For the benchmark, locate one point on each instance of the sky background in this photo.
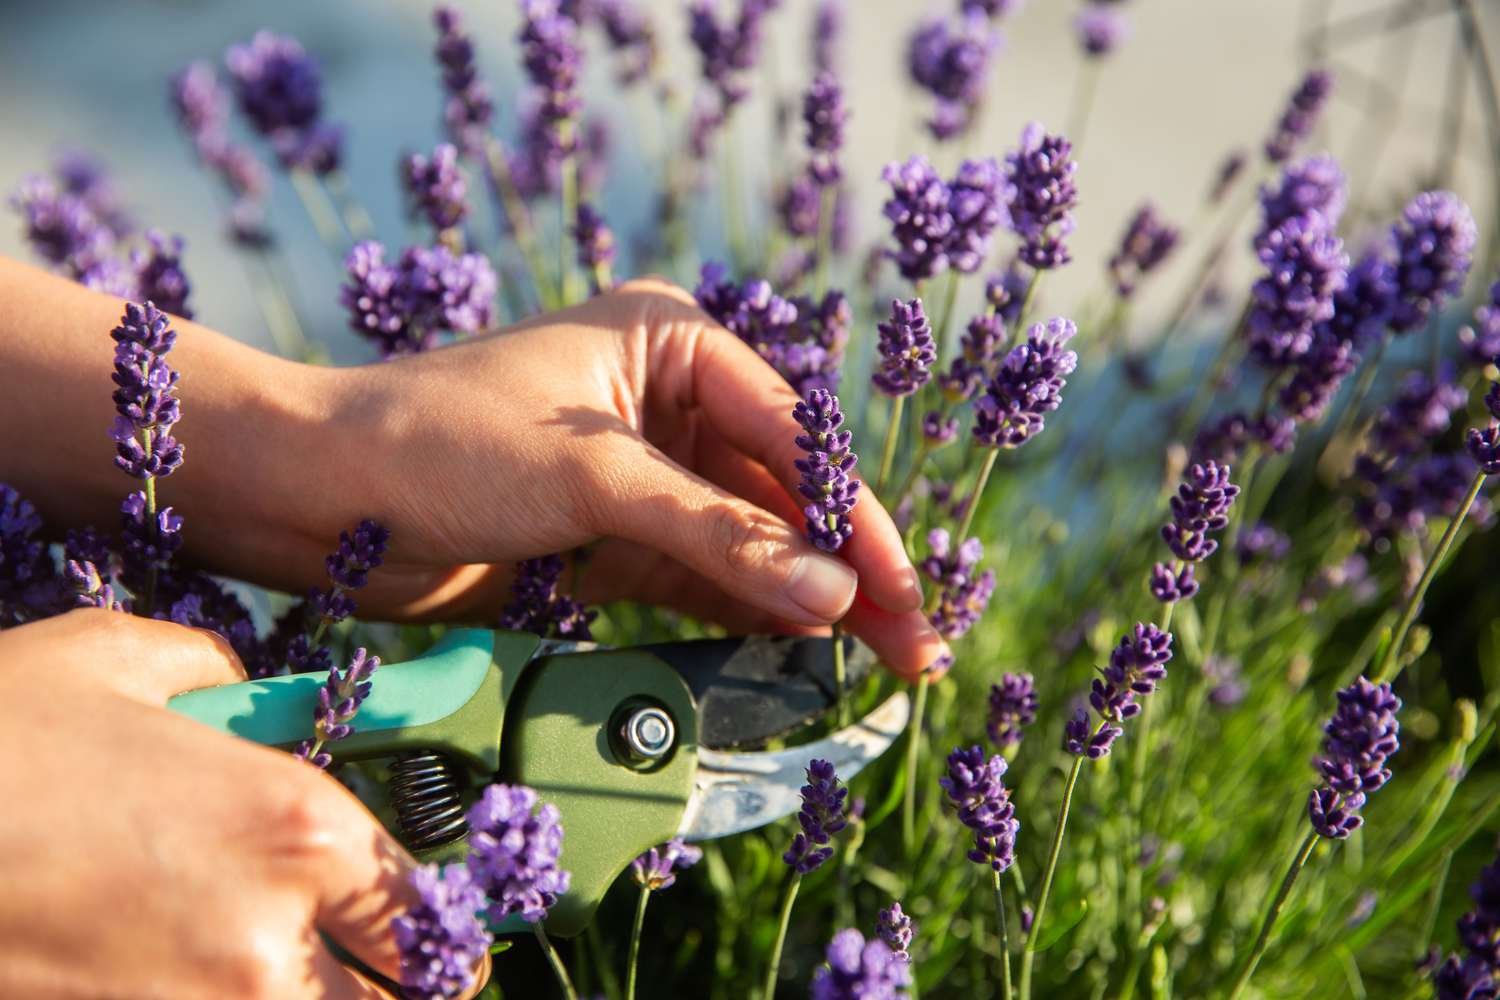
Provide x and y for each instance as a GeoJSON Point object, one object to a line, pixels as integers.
{"type": "Point", "coordinates": [1196, 78]}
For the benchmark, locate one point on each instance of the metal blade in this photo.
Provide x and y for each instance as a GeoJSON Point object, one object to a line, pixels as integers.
{"type": "Point", "coordinates": [753, 689]}
{"type": "Point", "coordinates": [735, 792]}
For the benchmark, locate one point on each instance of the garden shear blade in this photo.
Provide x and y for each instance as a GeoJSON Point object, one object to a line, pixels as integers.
{"type": "Point", "coordinates": [633, 746]}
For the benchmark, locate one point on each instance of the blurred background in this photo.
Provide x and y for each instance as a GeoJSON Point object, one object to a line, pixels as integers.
{"type": "Point", "coordinates": [1194, 80]}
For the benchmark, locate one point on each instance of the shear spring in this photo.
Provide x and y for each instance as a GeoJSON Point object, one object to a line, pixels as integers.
{"type": "Point", "coordinates": [425, 794]}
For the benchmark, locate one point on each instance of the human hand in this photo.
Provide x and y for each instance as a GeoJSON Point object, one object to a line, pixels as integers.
{"type": "Point", "coordinates": [146, 855]}
{"type": "Point", "coordinates": [632, 418]}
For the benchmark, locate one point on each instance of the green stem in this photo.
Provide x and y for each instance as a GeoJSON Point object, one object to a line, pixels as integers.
{"type": "Point", "coordinates": [355, 217]}
{"type": "Point", "coordinates": [888, 453]}
{"type": "Point", "coordinates": [519, 220]}
{"type": "Point", "coordinates": [950, 296]}
{"type": "Point", "coordinates": [1005, 990]}
{"type": "Point", "coordinates": [1028, 956]}
{"type": "Point", "coordinates": [840, 681]}
{"type": "Point", "coordinates": [555, 960]}
{"type": "Point", "coordinates": [913, 745]}
{"type": "Point", "coordinates": [1264, 938]}
{"type": "Point", "coordinates": [1137, 792]}
{"type": "Point", "coordinates": [635, 942]}
{"type": "Point", "coordinates": [974, 498]}
{"type": "Point", "coordinates": [773, 971]}
{"type": "Point", "coordinates": [1083, 101]}
{"type": "Point", "coordinates": [1390, 662]}
{"type": "Point", "coordinates": [823, 248]}
{"type": "Point", "coordinates": [316, 203]}
{"type": "Point", "coordinates": [567, 280]}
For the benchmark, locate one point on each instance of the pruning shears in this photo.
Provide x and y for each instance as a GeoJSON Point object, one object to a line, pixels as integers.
{"type": "Point", "coordinates": [634, 746]}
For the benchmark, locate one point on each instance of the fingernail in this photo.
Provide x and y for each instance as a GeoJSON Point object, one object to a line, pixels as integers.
{"type": "Point", "coordinates": [822, 586]}
{"type": "Point", "coordinates": [911, 592]}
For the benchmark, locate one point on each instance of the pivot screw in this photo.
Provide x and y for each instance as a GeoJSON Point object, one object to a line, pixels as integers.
{"type": "Point", "coordinates": [648, 734]}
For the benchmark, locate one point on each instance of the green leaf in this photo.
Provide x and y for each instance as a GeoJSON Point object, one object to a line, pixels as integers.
{"type": "Point", "coordinates": [1063, 923]}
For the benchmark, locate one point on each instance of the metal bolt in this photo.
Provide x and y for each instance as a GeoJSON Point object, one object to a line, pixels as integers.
{"type": "Point", "coordinates": [649, 734]}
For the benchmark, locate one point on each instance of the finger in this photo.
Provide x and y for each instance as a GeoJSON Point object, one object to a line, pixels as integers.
{"type": "Point", "coordinates": [143, 659]}
{"type": "Point", "coordinates": [751, 553]}
{"type": "Point", "coordinates": [357, 875]}
{"type": "Point", "coordinates": [906, 643]}
{"type": "Point", "coordinates": [333, 980]}
{"type": "Point", "coordinates": [751, 406]}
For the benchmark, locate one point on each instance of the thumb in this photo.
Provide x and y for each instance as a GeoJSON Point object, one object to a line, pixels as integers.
{"type": "Point", "coordinates": [751, 553]}
{"type": "Point", "coordinates": [143, 659]}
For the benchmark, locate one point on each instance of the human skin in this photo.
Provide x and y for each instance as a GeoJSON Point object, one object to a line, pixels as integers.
{"type": "Point", "coordinates": [146, 855]}
{"type": "Point", "coordinates": [631, 424]}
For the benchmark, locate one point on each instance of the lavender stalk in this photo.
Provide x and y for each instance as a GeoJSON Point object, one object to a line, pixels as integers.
{"type": "Point", "coordinates": [823, 814]}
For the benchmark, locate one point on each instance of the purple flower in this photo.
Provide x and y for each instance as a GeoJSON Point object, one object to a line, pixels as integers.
{"type": "Point", "coordinates": [1357, 741]}
{"type": "Point", "coordinates": [145, 394]}
{"type": "Point", "coordinates": [159, 277]}
{"type": "Point", "coordinates": [631, 35]}
{"type": "Point", "coordinates": [1305, 267]}
{"type": "Point", "coordinates": [920, 217]}
{"type": "Point", "coordinates": [90, 585]}
{"type": "Point", "coordinates": [595, 241]}
{"type": "Point", "coordinates": [147, 542]}
{"type": "Point", "coordinates": [907, 350]}
{"type": "Point", "coordinates": [1434, 242]}
{"type": "Point", "coordinates": [976, 199]}
{"type": "Point", "coordinates": [278, 85]}
{"type": "Point", "coordinates": [338, 702]}
{"type": "Point", "coordinates": [968, 372]}
{"type": "Point", "coordinates": [1147, 242]}
{"type": "Point", "coordinates": [319, 148]}
{"type": "Point", "coordinates": [441, 939]}
{"type": "Point", "coordinates": [1084, 740]}
{"type": "Point", "coordinates": [359, 552]}
{"type": "Point", "coordinates": [799, 206]}
{"type": "Point", "coordinates": [897, 929]}
{"type": "Point", "coordinates": [1229, 172]}
{"type": "Point", "coordinates": [1300, 116]}
{"type": "Point", "coordinates": [1227, 686]}
{"type": "Point", "coordinates": [1169, 584]}
{"type": "Point", "coordinates": [821, 816]}
{"type": "Point", "coordinates": [551, 55]}
{"type": "Point", "coordinates": [1043, 196]}
{"type": "Point", "coordinates": [1472, 976]}
{"type": "Point", "coordinates": [1259, 542]}
{"type": "Point", "coordinates": [26, 568]}
{"type": "Point", "coordinates": [1481, 339]}
{"type": "Point", "coordinates": [1006, 291]}
{"type": "Point", "coordinates": [61, 227]}
{"type": "Point", "coordinates": [202, 108]}
{"type": "Point", "coordinates": [975, 789]}
{"type": "Point", "coordinates": [435, 187]}
{"type": "Point", "coordinates": [200, 103]}
{"type": "Point", "coordinates": [860, 970]}
{"type": "Point", "coordinates": [1013, 705]}
{"type": "Point", "coordinates": [1312, 187]}
{"type": "Point", "coordinates": [1483, 445]}
{"type": "Point", "coordinates": [468, 107]}
{"type": "Point", "coordinates": [513, 852]}
{"type": "Point", "coordinates": [1026, 385]}
{"type": "Point", "coordinates": [801, 339]}
{"type": "Point", "coordinates": [1199, 508]}
{"type": "Point", "coordinates": [825, 484]}
{"type": "Point", "coordinates": [1422, 409]}
{"type": "Point", "coordinates": [657, 869]}
{"type": "Point", "coordinates": [1317, 375]}
{"type": "Point", "coordinates": [1136, 665]}
{"type": "Point", "coordinates": [825, 114]}
{"type": "Point", "coordinates": [828, 29]}
{"type": "Point", "coordinates": [950, 59]}
{"type": "Point", "coordinates": [938, 430]}
{"type": "Point", "coordinates": [405, 306]}
{"type": "Point", "coordinates": [1100, 29]}
{"type": "Point", "coordinates": [539, 606]}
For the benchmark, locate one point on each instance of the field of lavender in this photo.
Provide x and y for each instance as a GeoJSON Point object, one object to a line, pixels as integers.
{"type": "Point", "coordinates": [1218, 578]}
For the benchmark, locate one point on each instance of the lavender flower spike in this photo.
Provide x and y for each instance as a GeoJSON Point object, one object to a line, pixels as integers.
{"type": "Point", "coordinates": [338, 702]}
{"type": "Point", "coordinates": [825, 114]}
{"type": "Point", "coordinates": [538, 604]}
{"type": "Point", "coordinates": [860, 970]}
{"type": "Point", "coordinates": [596, 245]}
{"type": "Point", "coordinates": [1137, 664]}
{"type": "Point", "coordinates": [1475, 975]}
{"type": "Point", "coordinates": [907, 350]}
{"type": "Point", "coordinates": [469, 106]}
{"type": "Point", "coordinates": [278, 85]}
{"type": "Point", "coordinates": [822, 815]}
{"type": "Point", "coordinates": [1300, 116]}
{"type": "Point", "coordinates": [657, 869]}
{"type": "Point", "coordinates": [974, 788]}
{"type": "Point", "coordinates": [144, 394]}
{"type": "Point", "coordinates": [1026, 386]}
{"type": "Point", "coordinates": [436, 187]}
{"type": "Point", "coordinates": [826, 485]}
{"type": "Point", "coordinates": [551, 55]}
{"type": "Point", "coordinates": [441, 940]}
{"type": "Point", "coordinates": [1305, 268]}
{"type": "Point", "coordinates": [920, 217]}
{"type": "Point", "coordinates": [1100, 29]}
{"type": "Point", "coordinates": [1358, 739]}
{"type": "Point", "coordinates": [513, 852]}
{"type": "Point", "coordinates": [1435, 241]}
{"type": "Point", "coordinates": [1199, 508]}
{"type": "Point", "coordinates": [1043, 196]}
{"type": "Point", "coordinates": [1147, 242]}
{"type": "Point", "coordinates": [897, 929]}
{"type": "Point", "coordinates": [1013, 705]}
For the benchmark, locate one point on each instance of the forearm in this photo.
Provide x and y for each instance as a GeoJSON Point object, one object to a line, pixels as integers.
{"type": "Point", "coordinates": [259, 484]}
